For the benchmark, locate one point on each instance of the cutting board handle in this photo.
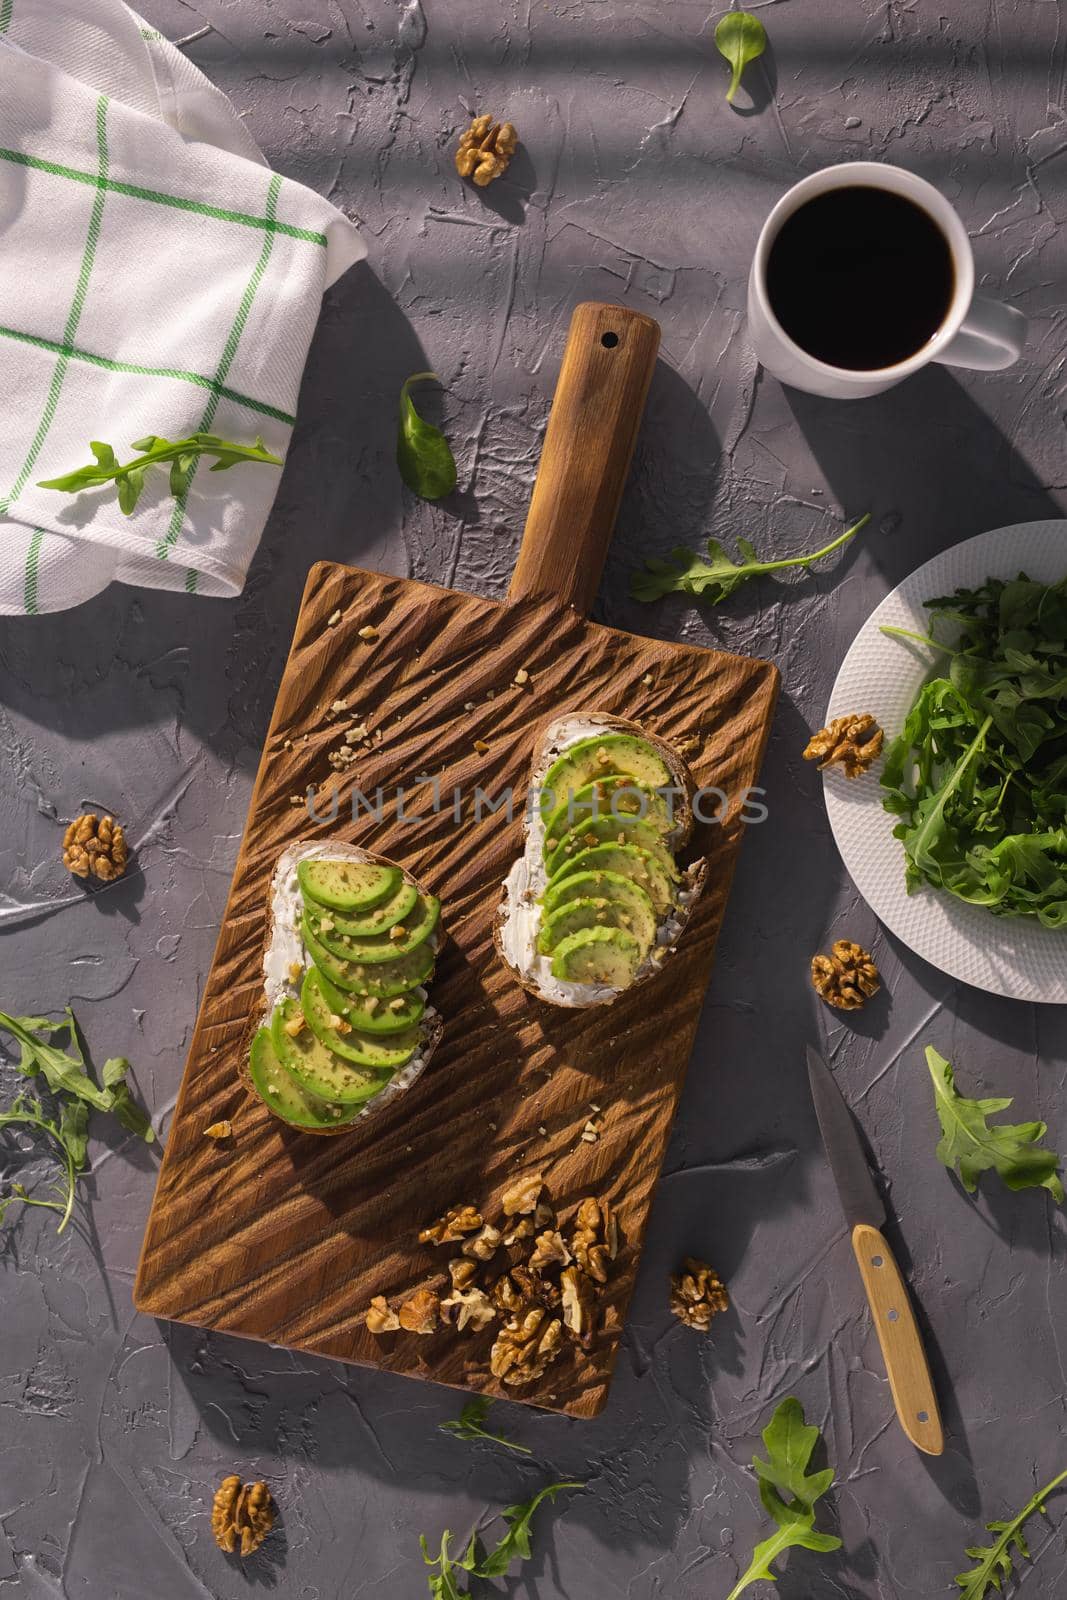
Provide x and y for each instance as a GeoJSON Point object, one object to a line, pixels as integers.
{"type": "Point", "coordinates": [600, 396]}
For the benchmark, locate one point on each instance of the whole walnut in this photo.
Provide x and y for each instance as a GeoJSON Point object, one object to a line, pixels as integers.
{"type": "Point", "coordinates": [242, 1515]}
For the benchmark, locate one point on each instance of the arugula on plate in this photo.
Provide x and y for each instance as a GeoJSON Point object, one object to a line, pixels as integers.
{"type": "Point", "coordinates": [973, 1145]}
{"type": "Point", "coordinates": [789, 1493]}
{"type": "Point", "coordinates": [182, 454]}
{"type": "Point", "coordinates": [423, 454]}
{"type": "Point", "coordinates": [444, 1579]}
{"type": "Point", "coordinates": [685, 572]}
{"type": "Point", "coordinates": [978, 774]}
{"type": "Point", "coordinates": [741, 38]}
{"type": "Point", "coordinates": [75, 1093]}
{"type": "Point", "coordinates": [469, 1425]}
{"type": "Point", "coordinates": [995, 1562]}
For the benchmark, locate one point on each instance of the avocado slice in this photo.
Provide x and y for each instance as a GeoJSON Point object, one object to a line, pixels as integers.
{"type": "Point", "coordinates": [606, 886]}
{"type": "Point", "coordinates": [377, 947]}
{"type": "Point", "coordinates": [316, 1068]}
{"type": "Point", "coordinates": [613, 796]}
{"type": "Point", "coordinates": [611, 830]}
{"type": "Point", "coordinates": [383, 979]}
{"type": "Point", "coordinates": [597, 955]}
{"type": "Point", "coordinates": [631, 862]}
{"type": "Point", "coordinates": [595, 911]}
{"type": "Point", "coordinates": [601, 756]}
{"type": "Point", "coordinates": [366, 1013]}
{"type": "Point", "coordinates": [347, 885]}
{"type": "Point", "coordinates": [380, 1051]}
{"type": "Point", "coordinates": [283, 1095]}
{"type": "Point", "coordinates": [361, 924]}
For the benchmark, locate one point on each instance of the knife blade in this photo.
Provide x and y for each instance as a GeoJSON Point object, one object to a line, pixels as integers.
{"type": "Point", "coordinates": [887, 1295]}
{"type": "Point", "coordinates": [860, 1200]}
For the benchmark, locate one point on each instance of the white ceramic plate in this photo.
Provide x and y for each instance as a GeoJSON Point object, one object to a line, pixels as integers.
{"type": "Point", "coordinates": [1012, 956]}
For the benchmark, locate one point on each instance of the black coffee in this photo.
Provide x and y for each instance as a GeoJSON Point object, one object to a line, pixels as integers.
{"type": "Point", "coordinates": [860, 278]}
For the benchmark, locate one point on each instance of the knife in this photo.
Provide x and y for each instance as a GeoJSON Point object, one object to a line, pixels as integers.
{"type": "Point", "coordinates": [894, 1320]}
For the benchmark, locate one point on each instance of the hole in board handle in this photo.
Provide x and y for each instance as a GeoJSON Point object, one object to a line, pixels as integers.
{"type": "Point", "coordinates": [609, 340]}
{"type": "Point", "coordinates": [923, 1416]}
{"type": "Point", "coordinates": [892, 1315]}
{"type": "Point", "coordinates": [876, 1261]}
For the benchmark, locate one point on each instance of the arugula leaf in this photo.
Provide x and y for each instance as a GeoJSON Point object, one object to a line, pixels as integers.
{"type": "Point", "coordinates": [69, 1134]}
{"type": "Point", "coordinates": [740, 37]}
{"type": "Point", "coordinates": [469, 1425]}
{"type": "Point", "coordinates": [423, 454]}
{"type": "Point", "coordinates": [978, 773]}
{"type": "Point", "coordinates": [971, 1143]}
{"type": "Point", "coordinates": [995, 1561]}
{"type": "Point", "coordinates": [184, 454]}
{"type": "Point", "coordinates": [75, 1092]}
{"type": "Point", "coordinates": [790, 1446]}
{"type": "Point", "coordinates": [685, 572]}
{"type": "Point", "coordinates": [443, 1584]}
{"type": "Point", "coordinates": [515, 1545]}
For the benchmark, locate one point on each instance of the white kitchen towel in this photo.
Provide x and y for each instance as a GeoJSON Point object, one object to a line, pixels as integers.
{"type": "Point", "coordinates": [155, 278]}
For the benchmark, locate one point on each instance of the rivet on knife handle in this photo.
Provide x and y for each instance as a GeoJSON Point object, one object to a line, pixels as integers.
{"type": "Point", "coordinates": [899, 1337]}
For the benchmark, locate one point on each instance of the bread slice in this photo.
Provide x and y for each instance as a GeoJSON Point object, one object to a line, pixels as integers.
{"type": "Point", "coordinates": [518, 918]}
{"type": "Point", "coordinates": [284, 950]}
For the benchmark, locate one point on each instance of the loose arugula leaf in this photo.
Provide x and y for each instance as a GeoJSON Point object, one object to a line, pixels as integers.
{"type": "Point", "coordinates": [685, 572]}
{"type": "Point", "coordinates": [469, 1425]}
{"type": "Point", "coordinates": [969, 1142]}
{"type": "Point", "coordinates": [995, 1561]}
{"type": "Point", "coordinates": [741, 38]}
{"type": "Point", "coordinates": [790, 1446]}
{"type": "Point", "coordinates": [515, 1545]}
{"type": "Point", "coordinates": [443, 1583]}
{"type": "Point", "coordinates": [69, 1135]}
{"type": "Point", "coordinates": [184, 454]}
{"type": "Point", "coordinates": [423, 455]}
{"type": "Point", "coordinates": [67, 1077]}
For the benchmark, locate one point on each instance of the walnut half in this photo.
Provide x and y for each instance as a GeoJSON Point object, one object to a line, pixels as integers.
{"type": "Point", "coordinates": [697, 1293]}
{"type": "Point", "coordinates": [485, 150]}
{"type": "Point", "coordinates": [95, 845]}
{"type": "Point", "coordinates": [852, 743]}
{"type": "Point", "coordinates": [847, 977]}
{"type": "Point", "coordinates": [526, 1346]}
{"type": "Point", "coordinates": [242, 1515]}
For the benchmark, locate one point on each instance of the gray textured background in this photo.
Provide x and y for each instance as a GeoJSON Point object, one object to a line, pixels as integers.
{"type": "Point", "coordinates": [636, 182]}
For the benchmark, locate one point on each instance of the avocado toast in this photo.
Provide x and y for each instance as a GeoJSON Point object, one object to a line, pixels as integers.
{"type": "Point", "coordinates": [346, 1024]}
{"type": "Point", "coordinates": [598, 900]}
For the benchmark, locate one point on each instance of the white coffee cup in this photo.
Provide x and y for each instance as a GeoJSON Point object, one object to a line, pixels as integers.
{"type": "Point", "coordinates": [976, 332]}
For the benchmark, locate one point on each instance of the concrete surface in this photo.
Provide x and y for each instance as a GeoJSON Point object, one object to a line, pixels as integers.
{"type": "Point", "coordinates": [635, 182]}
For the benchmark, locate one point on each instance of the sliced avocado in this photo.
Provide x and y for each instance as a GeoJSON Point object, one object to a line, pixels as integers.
{"type": "Point", "coordinates": [614, 796]}
{"type": "Point", "coordinates": [597, 955]}
{"type": "Point", "coordinates": [315, 1067]}
{"type": "Point", "coordinates": [611, 830]}
{"type": "Point", "coordinates": [283, 1095]}
{"type": "Point", "coordinates": [347, 885]}
{"type": "Point", "coordinates": [602, 885]}
{"type": "Point", "coordinates": [601, 756]}
{"type": "Point", "coordinates": [367, 1013]}
{"type": "Point", "coordinates": [383, 979]}
{"type": "Point", "coordinates": [361, 924]}
{"type": "Point", "coordinates": [598, 911]}
{"type": "Point", "coordinates": [377, 947]}
{"type": "Point", "coordinates": [629, 860]}
{"type": "Point", "coordinates": [381, 1051]}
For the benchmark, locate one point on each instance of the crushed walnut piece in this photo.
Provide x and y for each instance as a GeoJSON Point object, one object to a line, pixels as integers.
{"type": "Point", "coordinates": [482, 1247]}
{"type": "Point", "coordinates": [219, 1130]}
{"type": "Point", "coordinates": [473, 1308]}
{"type": "Point", "coordinates": [485, 150]}
{"type": "Point", "coordinates": [697, 1293]}
{"type": "Point", "coordinates": [368, 634]}
{"type": "Point", "coordinates": [457, 1222]}
{"type": "Point", "coordinates": [421, 1313]}
{"type": "Point", "coordinates": [549, 1250]}
{"type": "Point", "coordinates": [522, 1197]}
{"type": "Point", "coordinates": [95, 846]}
{"type": "Point", "coordinates": [242, 1515]}
{"type": "Point", "coordinates": [526, 1346]}
{"type": "Point", "coordinates": [579, 1303]}
{"type": "Point", "coordinates": [847, 977]}
{"type": "Point", "coordinates": [852, 743]}
{"type": "Point", "coordinates": [380, 1317]}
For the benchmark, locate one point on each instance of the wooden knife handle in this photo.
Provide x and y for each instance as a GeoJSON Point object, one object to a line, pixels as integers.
{"type": "Point", "coordinates": [592, 428]}
{"type": "Point", "coordinates": [901, 1342]}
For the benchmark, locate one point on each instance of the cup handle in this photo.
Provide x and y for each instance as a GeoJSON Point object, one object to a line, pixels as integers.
{"type": "Point", "coordinates": [992, 337]}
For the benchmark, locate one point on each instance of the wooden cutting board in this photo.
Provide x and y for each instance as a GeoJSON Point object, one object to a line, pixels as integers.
{"type": "Point", "coordinates": [285, 1237]}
